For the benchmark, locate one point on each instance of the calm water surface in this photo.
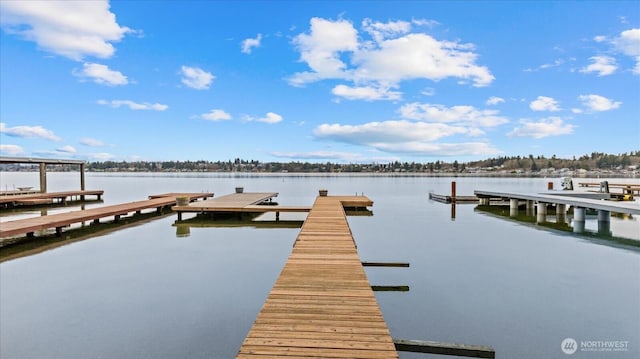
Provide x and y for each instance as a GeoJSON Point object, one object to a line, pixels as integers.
{"type": "Point", "coordinates": [144, 292]}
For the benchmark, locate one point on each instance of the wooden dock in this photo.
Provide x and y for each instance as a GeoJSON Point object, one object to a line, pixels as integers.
{"type": "Point", "coordinates": [254, 202]}
{"type": "Point", "coordinates": [443, 198]}
{"type": "Point", "coordinates": [47, 198]}
{"type": "Point", "coordinates": [322, 305]}
{"type": "Point", "coordinates": [58, 221]}
{"type": "Point", "coordinates": [627, 191]}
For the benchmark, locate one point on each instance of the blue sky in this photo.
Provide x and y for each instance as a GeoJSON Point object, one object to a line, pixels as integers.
{"type": "Point", "coordinates": [318, 81]}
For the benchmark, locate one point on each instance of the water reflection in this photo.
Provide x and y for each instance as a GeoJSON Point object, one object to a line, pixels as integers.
{"type": "Point", "coordinates": [574, 221]}
{"type": "Point", "coordinates": [18, 247]}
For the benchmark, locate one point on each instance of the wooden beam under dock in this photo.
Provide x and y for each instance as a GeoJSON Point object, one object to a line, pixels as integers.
{"type": "Point", "coordinates": [430, 347]}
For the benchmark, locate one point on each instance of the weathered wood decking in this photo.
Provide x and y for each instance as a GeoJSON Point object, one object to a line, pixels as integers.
{"type": "Point", "coordinates": [251, 202]}
{"type": "Point", "coordinates": [50, 197]}
{"type": "Point", "coordinates": [58, 221]}
{"type": "Point", "coordinates": [322, 305]}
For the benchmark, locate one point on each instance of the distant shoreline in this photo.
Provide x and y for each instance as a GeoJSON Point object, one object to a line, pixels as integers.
{"type": "Point", "coordinates": [500, 174]}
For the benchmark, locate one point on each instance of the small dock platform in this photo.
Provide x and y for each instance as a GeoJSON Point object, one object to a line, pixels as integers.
{"type": "Point", "coordinates": [14, 200]}
{"type": "Point", "coordinates": [251, 202]}
{"type": "Point", "coordinates": [58, 221]}
{"type": "Point", "coordinates": [626, 191]}
{"type": "Point", "coordinates": [443, 198]}
{"type": "Point", "coordinates": [322, 305]}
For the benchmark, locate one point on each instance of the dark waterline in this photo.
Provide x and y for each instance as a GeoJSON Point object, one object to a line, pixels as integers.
{"type": "Point", "coordinates": [143, 292]}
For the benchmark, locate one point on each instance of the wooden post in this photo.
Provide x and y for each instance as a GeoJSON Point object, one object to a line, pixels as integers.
{"type": "Point", "coordinates": [453, 191]}
{"type": "Point", "coordinates": [82, 180]}
{"type": "Point", "coordinates": [43, 177]}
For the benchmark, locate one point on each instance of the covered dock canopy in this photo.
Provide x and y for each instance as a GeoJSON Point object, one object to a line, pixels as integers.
{"type": "Point", "coordinates": [43, 162]}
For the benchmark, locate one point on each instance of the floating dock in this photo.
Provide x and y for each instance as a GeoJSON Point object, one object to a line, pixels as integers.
{"type": "Point", "coordinates": [322, 305]}
{"type": "Point", "coordinates": [627, 191]}
{"type": "Point", "coordinates": [58, 221]}
{"type": "Point", "coordinates": [254, 202]}
{"type": "Point", "coordinates": [580, 201]}
{"type": "Point", "coordinates": [443, 198]}
{"type": "Point", "coordinates": [14, 200]}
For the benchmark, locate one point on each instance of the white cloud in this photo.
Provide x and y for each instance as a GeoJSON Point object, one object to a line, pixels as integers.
{"type": "Point", "coordinates": [629, 44]}
{"type": "Point", "coordinates": [494, 100]}
{"type": "Point", "coordinates": [463, 115]}
{"type": "Point", "coordinates": [332, 50]}
{"type": "Point", "coordinates": [552, 126]}
{"type": "Point", "coordinates": [91, 142]}
{"type": "Point", "coordinates": [66, 149]}
{"type": "Point", "coordinates": [134, 105]}
{"type": "Point", "coordinates": [249, 44]}
{"type": "Point", "coordinates": [321, 49]}
{"type": "Point", "coordinates": [555, 63]}
{"type": "Point", "coordinates": [11, 150]}
{"type": "Point", "coordinates": [428, 91]}
{"type": "Point", "coordinates": [603, 65]}
{"type": "Point", "coordinates": [598, 103]}
{"type": "Point", "coordinates": [74, 29]}
{"type": "Point", "coordinates": [419, 56]}
{"type": "Point", "coordinates": [425, 22]}
{"type": "Point", "coordinates": [544, 103]}
{"type": "Point", "coordinates": [28, 132]}
{"type": "Point", "coordinates": [599, 38]}
{"type": "Point", "coordinates": [441, 149]}
{"type": "Point", "coordinates": [101, 74]}
{"type": "Point", "coordinates": [101, 156]}
{"type": "Point", "coordinates": [404, 136]}
{"type": "Point", "coordinates": [319, 155]}
{"type": "Point", "coordinates": [270, 118]}
{"type": "Point", "coordinates": [216, 115]}
{"type": "Point", "coordinates": [381, 31]}
{"type": "Point", "coordinates": [367, 93]}
{"type": "Point", "coordinates": [387, 132]}
{"type": "Point", "coordinates": [196, 78]}
{"type": "Point", "coordinates": [577, 110]}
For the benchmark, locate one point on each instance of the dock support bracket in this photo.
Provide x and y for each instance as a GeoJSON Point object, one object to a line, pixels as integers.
{"type": "Point", "coordinates": [430, 347]}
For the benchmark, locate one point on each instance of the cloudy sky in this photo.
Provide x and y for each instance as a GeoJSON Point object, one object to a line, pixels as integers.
{"type": "Point", "coordinates": [318, 81]}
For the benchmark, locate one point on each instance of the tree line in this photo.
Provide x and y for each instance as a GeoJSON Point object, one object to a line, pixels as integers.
{"type": "Point", "coordinates": [593, 161]}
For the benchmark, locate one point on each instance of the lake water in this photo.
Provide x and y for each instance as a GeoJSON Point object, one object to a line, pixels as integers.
{"type": "Point", "coordinates": [141, 291]}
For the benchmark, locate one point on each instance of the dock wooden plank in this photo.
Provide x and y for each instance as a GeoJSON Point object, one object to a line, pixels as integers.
{"type": "Point", "coordinates": [49, 195]}
{"type": "Point", "coordinates": [322, 305]}
{"type": "Point", "coordinates": [249, 202]}
{"type": "Point", "coordinates": [30, 225]}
